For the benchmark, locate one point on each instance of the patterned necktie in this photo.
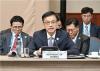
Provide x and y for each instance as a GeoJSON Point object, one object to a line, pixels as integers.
{"type": "Point", "coordinates": [15, 42]}
{"type": "Point", "coordinates": [50, 43]}
{"type": "Point", "coordinates": [86, 30]}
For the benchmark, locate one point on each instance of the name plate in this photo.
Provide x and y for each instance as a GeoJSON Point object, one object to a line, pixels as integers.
{"type": "Point", "coordinates": [54, 54]}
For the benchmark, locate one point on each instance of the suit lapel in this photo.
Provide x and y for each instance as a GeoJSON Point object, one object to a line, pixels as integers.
{"type": "Point", "coordinates": [57, 38]}
{"type": "Point", "coordinates": [81, 28]}
{"type": "Point", "coordinates": [92, 30]}
{"type": "Point", "coordinates": [8, 39]}
{"type": "Point", "coordinates": [78, 41]}
{"type": "Point", "coordinates": [44, 38]}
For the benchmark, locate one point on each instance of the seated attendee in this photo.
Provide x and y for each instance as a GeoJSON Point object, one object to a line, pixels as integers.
{"type": "Point", "coordinates": [59, 26]}
{"type": "Point", "coordinates": [9, 38]}
{"type": "Point", "coordinates": [87, 27]}
{"type": "Point", "coordinates": [81, 41]}
{"type": "Point", "coordinates": [99, 33]}
{"type": "Point", "coordinates": [51, 36]}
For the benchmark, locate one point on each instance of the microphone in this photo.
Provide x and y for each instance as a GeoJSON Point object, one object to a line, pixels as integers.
{"type": "Point", "coordinates": [19, 48]}
{"type": "Point", "coordinates": [13, 54]}
{"type": "Point", "coordinates": [55, 41]}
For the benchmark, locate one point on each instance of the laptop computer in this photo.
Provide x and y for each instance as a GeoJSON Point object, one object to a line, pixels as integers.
{"type": "Point", "coordinates": [94, 44]}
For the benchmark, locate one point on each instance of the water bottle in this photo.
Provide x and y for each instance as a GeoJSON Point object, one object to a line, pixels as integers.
{"type": "Point", "coordinates": [99, 52]}
{"type": "Point", "coordinates": [26, 52]}
{"type": "Point", "coordinates": [18, 49]}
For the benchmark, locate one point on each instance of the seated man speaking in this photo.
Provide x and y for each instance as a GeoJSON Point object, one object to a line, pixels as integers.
{"type": "Point", "coordinates": [51, 36]}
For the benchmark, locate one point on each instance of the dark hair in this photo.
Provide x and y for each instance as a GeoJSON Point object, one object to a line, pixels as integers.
{"type": "Point", "coordinates": [17, 19]}
{"type": "Point", "coordinates": [86, 10]}
{"type": "Point", "coordinates": [49, 13]}
{"type": "Point", "coordinates": [73, 21]}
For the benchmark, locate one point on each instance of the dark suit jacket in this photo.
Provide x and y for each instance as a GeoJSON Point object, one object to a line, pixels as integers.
{"type": "Point", "coordinates": [5, 39]}
{"type": "Point", "coordinates": [94, 30]}
{"type": "Point", "coordinates": [99, 33]}
{"type": "Point", "coordinates": [83, 43]}
{"type": "Point", "coordinates": [63, 42]}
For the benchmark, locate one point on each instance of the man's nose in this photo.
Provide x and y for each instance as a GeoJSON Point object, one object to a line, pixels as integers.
{"type": "Point", "coordinates": [50, 24]}
{"type": "Point", "coordinates": [86, 17]}
{"type": "Point", "coordinates": [17, 29]}
{"type": "Point", "coordinates": [70, 32]}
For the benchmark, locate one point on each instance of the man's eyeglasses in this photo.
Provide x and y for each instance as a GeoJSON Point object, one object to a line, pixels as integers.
{"type": "Point", "coordinates": [71, 30]}
{"type": "Point", "coordinates": [48, 22]}
{"type": "Point", "coordinates": [86, 15]}
{"type": "Point", "coordinates": [15, 27]}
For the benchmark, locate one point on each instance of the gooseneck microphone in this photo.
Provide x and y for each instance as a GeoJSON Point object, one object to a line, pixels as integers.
{"type": "Point", "coordinates": [13, 54]}
{"type": "Point", "coordinates": [55, 41]}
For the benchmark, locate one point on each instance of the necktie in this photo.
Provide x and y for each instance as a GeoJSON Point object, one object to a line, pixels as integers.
{"type": "Point", "coordinates": [86, 30]}
{"type": "Point", "coordinates": [50, 44]}
{"type": "Point", "coordinates": [15, 42]}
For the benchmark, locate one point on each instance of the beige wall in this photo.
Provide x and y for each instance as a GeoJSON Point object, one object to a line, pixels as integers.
{"type": "Point", "coordinates": [30, 10]}
{"type": "Point", "coordinates": [74, 6]}
{"type": "Point", "coordinates": [55, 5]}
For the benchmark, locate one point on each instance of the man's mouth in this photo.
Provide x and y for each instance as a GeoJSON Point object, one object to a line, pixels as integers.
{"type": "Point", "coordinates": [51, 28]}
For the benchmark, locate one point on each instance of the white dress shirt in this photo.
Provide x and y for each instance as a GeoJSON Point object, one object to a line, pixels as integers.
{"type": "Point", "coordinates": [86, 31]}
{"type": "Point", "coordinates": [12, 43]}
{"type": "Point", "coordinates": [48, 36]}
{"type": "Point", "coordinates": [53, 36]}
{"type": "Point", "coordinates": [75, 38]}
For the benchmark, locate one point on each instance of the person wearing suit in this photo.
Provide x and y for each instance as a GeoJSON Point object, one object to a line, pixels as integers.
{"type": "Point", "coordinates": [7, 36]}
{"type": "Point", "coordinates": [81, 41]}
{"type": "Point", "coordinates": [99, 33]}
{"type": "Point", "coordinates": [59, 37]}
{"type": "Point", "coordinates": [87, 27]}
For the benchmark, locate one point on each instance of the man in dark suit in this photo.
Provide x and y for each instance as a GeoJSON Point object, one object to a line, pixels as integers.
{"type": "Point", "coordinates": [59, 37]}
{"type": "Point", "coordinates": [82, 42]}
{"type": "Point", "coordinates": [99, 33]}
{"type": "Point", "coordinates": [87, 27]}
{"type": "Point", "coordinates": [7, 37]}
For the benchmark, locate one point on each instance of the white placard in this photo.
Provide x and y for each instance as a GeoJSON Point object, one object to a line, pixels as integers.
{"type": "Point", "coordinates": [54, 54]}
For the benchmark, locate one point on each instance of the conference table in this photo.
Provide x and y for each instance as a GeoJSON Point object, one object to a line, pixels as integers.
{"type": "Point", "coordinates": [40, 64]}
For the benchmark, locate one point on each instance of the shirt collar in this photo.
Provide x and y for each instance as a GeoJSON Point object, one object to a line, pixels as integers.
{"type": "Point", "coordinates": [74, 39]}
{"type": "Point", "coordinates": [13, 34]}
{"type": "Point", "coordinates": [48, 36]}
{"type": "Point", "coordinates": [87, 24]}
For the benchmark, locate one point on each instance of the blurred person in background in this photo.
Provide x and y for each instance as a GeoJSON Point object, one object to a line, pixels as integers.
{"type": "Point", "coordinates": [81, 41]}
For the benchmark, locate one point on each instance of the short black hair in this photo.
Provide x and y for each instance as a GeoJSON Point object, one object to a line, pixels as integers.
{"type": "Point", "coordinates": [17, 19]}
{"type": "Point", "coordinates": [49, 13]}
{"type": "Point", "coordinates": [86, 10]}
{"type": "Point", "coordinates": [73, 21]}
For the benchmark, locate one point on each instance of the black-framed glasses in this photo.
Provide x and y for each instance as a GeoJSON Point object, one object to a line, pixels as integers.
{"type": "Point", "coordinates": [15, 27]}
{"type": "Point", "coordinates": [48, 22]}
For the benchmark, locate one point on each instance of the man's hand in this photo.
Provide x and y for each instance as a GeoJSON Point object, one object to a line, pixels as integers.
{"type": "Point", "coordinates": [39, 51]}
